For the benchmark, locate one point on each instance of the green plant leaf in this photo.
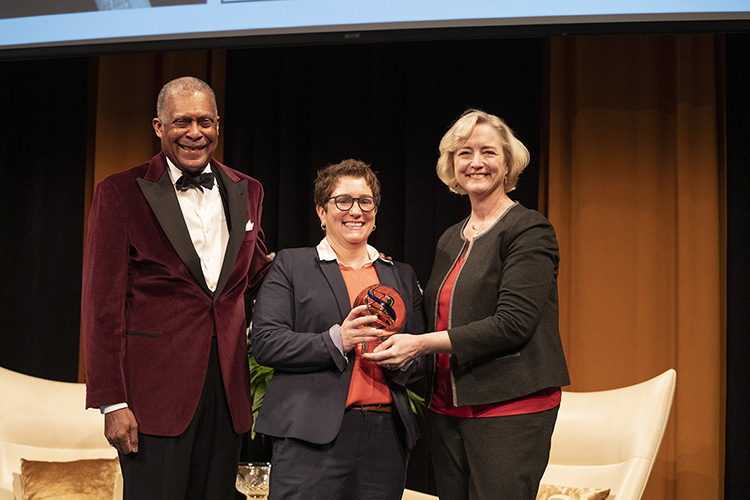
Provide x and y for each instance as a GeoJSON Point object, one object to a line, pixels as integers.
{"type": "Point", "coordinates": [416, 402]}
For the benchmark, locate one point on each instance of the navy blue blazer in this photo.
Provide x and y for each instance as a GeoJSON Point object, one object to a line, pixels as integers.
{"type": "Point", "coordinates": [301, 298]}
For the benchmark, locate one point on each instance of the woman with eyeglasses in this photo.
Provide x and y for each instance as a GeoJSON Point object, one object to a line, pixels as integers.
{"type": "Point", "coordinates": [341, 427]}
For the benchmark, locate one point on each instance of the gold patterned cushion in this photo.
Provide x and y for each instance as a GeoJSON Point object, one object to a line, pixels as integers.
{"type": "Point", "coordinates": [92, 479]}
{"type": "Point", "coordinates": [547, 490]}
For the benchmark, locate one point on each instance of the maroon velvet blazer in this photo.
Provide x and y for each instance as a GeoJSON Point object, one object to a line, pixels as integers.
{"type": "Point", "coordinates": [148, 316]}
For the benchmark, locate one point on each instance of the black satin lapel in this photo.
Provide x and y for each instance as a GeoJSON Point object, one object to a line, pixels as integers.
{"type": "Point", "coordinates": [332, 274]}
{"type": "Point", "coordinates": [221, 183]}
{"type": "Point", "coordinates": [234, 196]}
{"type": "Point", "coordinates": [163, 201]}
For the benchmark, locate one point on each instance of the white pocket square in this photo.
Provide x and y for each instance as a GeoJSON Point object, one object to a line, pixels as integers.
{"type": "Point", "coordinates": [249, 226]}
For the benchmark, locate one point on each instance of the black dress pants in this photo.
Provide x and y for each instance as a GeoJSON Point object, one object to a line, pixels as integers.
{"type": "Point", "coordinates": [492, 458]}
{"type": "Point", "coordinates": [366, 461]}
{"type": "Point", "coordinates": [199, 464]}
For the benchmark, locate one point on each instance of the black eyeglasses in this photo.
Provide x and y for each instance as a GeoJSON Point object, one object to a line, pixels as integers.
{"type": "Point", "coordinates": [345, 202]}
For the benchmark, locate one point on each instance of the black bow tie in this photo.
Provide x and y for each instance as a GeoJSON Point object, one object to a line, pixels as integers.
{"type": "Point", "coordinates": [188, 181]}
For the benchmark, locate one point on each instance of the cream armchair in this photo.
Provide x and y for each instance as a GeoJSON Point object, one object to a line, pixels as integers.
{"type": "Point", "coordinates": [609, 439]}
{"type": "Point", "coordinates": [44, 420]}
{"type": "Point", "coordinates": [417, 495]}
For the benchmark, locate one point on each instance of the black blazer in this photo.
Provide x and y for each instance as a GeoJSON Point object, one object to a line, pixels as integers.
{"type": "Point", "coordinates": [503, 310]}
{"type": "Point", "coordinates": [301, 298]}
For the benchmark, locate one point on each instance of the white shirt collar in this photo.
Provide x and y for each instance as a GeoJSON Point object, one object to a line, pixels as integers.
{"type": "Point", "coordinates": [175, 173]}
{"type": "Point", "coordinates": [326, 253]}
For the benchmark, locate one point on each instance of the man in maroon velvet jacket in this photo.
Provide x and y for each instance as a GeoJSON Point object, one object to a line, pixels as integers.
{"type": "Point", "coordinates": [174, 253]}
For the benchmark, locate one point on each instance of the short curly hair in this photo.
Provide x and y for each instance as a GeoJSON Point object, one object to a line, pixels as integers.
{"type": "Point", "coordinates": [329, 176]}
{"type": "Point", "coordinates": [515, 153]}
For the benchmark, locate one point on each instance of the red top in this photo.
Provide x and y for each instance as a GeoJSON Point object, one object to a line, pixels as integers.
{"type": "Point", "coordinates": [368, 386]}
{"type": "Point", "coordinates": [442, 400]}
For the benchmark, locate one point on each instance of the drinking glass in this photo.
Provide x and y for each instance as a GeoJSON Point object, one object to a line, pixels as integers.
{"type": "Point", "coordinates": [252, 479]}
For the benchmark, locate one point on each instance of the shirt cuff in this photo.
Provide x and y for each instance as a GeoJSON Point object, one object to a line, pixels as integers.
{"type": "Point", "coordinates": [335, 333]}
{"type": "Point", "coordinates": [110, 408]}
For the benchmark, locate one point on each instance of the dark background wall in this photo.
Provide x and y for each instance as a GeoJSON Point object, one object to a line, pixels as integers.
{"type": "Point", "coordinates": [45, 104]}
{"type": "Point", "coordinates": [385, 104]}
{"type": "Point", "coordinates": [738, 266]}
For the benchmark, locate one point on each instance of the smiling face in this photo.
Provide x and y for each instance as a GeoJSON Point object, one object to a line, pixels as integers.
{"type": "Point", "coordinates": [189, 130]}
{"type": "Point", "coordinates": [348, 229]}
{"type": "Point", "coordinates": [479, 162]}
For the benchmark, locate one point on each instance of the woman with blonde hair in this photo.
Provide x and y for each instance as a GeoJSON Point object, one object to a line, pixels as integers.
{"type": "Point", "coordinates": [492, 309]}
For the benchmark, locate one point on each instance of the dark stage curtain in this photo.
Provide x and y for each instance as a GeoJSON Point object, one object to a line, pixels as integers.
{"type": "Point", "coordinates": [738, 267]}
{"type": "Point", "coordinates": [45, 104]}
{"type": "Point", "coordinates": [291, 111]}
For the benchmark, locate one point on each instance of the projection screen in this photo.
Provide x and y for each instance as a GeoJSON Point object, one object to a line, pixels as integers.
{"type": "Point", "coordinates": [34, 24]}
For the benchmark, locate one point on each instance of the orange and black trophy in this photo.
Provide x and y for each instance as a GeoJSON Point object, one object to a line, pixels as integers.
{"type": "Point", "coordinates": [387, 305]}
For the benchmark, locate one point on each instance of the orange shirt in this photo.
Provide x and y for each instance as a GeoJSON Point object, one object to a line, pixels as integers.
{"type": "Point", "coordinates": [368, 386]}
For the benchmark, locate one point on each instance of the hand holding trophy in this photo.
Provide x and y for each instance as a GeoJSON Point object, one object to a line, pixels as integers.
{"type": "Point", "coordinates": [387, 305]}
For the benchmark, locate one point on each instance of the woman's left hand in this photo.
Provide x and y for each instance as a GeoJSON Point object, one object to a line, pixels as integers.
{"type": "Point", "coordinates": [396, 351]}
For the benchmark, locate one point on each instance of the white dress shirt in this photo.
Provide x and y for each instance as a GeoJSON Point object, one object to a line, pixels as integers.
{"type": "Point", "coordinates": [204, 216]}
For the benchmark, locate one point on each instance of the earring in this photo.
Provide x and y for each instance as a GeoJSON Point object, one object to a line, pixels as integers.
{"type": "Point", "coordinates": [323, 226]}
{"type": "Point", "coordinates": [373, 227]}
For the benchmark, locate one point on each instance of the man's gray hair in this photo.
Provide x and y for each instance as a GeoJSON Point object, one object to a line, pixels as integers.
{"type": "Point", "coordinates": [182, 85]}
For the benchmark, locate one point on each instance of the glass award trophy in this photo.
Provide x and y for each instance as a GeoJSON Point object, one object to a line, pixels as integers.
{"type": "Point", "coordinates": [386, 305]}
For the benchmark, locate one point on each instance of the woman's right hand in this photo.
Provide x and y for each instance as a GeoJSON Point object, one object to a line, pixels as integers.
{"type": "Point", "coordinates": [352, 331]}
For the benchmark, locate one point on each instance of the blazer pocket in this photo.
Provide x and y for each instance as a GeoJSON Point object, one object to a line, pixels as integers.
{"type": "Point", "coordinates": [491, 362]}
{"type": "Point", "coordinates": [143, 334]}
